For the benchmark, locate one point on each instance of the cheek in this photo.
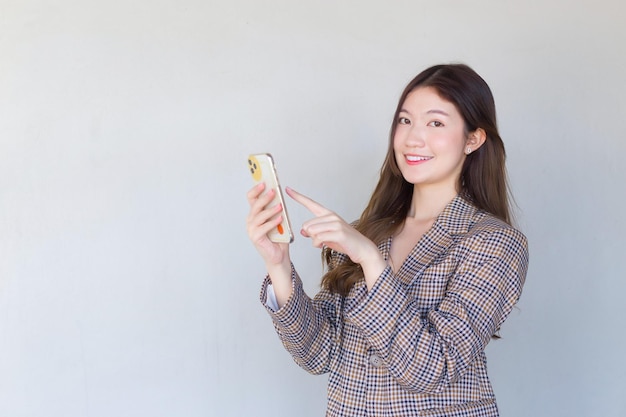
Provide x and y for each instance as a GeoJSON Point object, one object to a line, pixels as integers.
{"type": "Point", "coordinates": [397, 142]}
{"type": "Point", "coordinates": [448, 143]}
{"type": "Point", "coordinates": [396, 147]}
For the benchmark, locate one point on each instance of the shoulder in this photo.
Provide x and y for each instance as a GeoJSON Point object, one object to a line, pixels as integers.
{"type": "Point", "coordinates": [486, 226]}
{"type": "Point", "coordinates": [480, 234]}
{"type": "Point", "coordinates": [466, 222]}
{"type": "Point", "coordinates": [490, 253]}
{"type": "Point", "coordinates": [490, 240]}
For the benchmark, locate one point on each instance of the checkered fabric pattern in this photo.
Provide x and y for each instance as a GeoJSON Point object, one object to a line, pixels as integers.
{"type": "Point", "coordinates": [414, 344]}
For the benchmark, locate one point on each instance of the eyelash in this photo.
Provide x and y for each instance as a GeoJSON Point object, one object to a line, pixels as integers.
{"type": "Point", "coordinates": [405, 121]}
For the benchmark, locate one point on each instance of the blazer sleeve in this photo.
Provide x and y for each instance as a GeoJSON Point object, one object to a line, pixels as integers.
{"type": "Point", "coordinates": [426, 353]}
{"type": "Point", "coordinates": [306, 327]}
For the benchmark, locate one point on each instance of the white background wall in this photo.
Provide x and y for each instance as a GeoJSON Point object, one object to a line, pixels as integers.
{"type": "Point", "coordinates": [127, 284]}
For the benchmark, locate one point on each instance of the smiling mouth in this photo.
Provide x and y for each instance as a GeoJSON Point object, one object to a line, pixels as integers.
{"type": "Point", "coordinates": [415, 158]}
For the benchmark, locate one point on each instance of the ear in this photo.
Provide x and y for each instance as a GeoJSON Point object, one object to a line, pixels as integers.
{"type": "Point", "coordinates": [476, 139]}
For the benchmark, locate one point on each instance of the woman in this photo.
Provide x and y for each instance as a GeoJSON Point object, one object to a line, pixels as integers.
{"type": "Point", "coordinates": [419, 285]}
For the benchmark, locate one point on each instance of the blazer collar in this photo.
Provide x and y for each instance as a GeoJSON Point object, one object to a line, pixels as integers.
{"type": "Point", "coordinates": [455, 219]}
{"type": "Point", "coordinates": [458, 216]}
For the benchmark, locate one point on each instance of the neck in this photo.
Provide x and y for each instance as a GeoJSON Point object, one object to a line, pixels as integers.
{"type": "Point", "coordinates": [429, 202]}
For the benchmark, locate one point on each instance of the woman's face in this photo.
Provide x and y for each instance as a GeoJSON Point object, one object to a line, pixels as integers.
{"type": "Point", "coordinates": [430, 140]}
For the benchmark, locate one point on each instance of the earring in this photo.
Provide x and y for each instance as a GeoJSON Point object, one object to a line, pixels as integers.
{"type": "Point", "coordinates": [468, 150]}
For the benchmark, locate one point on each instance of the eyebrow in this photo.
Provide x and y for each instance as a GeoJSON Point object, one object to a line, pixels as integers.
{"type": "Point", "coordinates": [432, 111]}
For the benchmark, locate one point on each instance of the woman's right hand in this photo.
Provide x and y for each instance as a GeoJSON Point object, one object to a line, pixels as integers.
{"type": "Point", "coordinates": [263, 219]}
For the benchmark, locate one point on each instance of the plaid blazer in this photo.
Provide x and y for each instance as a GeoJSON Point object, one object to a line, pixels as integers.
{"type": "Point", "coordinates": [414, 344]}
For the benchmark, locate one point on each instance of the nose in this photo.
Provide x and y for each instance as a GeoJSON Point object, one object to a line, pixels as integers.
{"type": "Point", "coordinates": [414, 137]}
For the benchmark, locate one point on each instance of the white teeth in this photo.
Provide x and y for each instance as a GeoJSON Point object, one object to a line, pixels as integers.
{"type": "Point", "coordinates": [413, 158]}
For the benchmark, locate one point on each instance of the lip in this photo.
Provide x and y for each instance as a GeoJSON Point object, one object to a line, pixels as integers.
{"type": "Point", "coordinates": [412, 159]}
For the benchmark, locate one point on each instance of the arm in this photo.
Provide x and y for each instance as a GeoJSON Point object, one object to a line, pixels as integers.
{"type": "Point", "coordinates": [307, 328]}
{"type": "Point", "coordinates": [427, 353]}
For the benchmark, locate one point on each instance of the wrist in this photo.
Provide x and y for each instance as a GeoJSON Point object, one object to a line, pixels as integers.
{"type": "Point", "coordinates": [279, 269]}
{"type": "Point", "coordinates": [280, 276]}
{"type": "Point", "coordinates": [373, 265]}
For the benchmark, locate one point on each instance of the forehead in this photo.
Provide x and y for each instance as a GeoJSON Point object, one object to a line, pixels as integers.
{"type": "Point", "coordinates": [427, 99]}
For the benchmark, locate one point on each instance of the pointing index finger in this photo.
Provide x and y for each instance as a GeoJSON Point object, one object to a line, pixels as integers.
{"type": "Point", "coordinates": [313, 206]}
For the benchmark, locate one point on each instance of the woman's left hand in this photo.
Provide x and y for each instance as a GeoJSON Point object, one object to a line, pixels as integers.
{"type": "Point", "coordinates": [328, 229]}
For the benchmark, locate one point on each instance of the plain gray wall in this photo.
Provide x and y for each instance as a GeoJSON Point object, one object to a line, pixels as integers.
{"type": "Point", "coordinates": [127, 284]}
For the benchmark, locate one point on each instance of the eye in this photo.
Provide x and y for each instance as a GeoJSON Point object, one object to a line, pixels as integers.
{"type": "Point", "coordinates": [403, 121]}
{"type": "Point", "coordinates": [435, 123]}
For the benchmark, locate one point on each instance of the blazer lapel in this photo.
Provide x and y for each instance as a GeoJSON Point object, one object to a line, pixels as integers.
{"type": "Point", "coordinates": [454, 220]}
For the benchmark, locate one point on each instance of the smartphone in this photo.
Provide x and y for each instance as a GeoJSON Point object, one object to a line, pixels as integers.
{"type": "Point", "coordinates": [262, 168]}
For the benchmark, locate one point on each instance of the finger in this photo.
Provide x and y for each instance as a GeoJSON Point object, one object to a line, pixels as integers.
{"type": "Point", "coordinates": [311, 205]}
{"type": "Point", "coordinates": [260, 214]}
{"type": "Point", "coordinates": [261, 224]}
{"type": "Point", "coordinates": [261, 201]}
{"type": "Point", "coordinates": [328, 238]}
{"type": "Point", "coordinates": [255, 192]}
{"type": "Point", "coordinates": [261, 233]}
{"type": "Point", "coordinates": [320, 224]}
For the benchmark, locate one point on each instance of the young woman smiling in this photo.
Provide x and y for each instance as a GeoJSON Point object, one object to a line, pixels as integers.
{"type": "Point", "coordinates": [417, 287]}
